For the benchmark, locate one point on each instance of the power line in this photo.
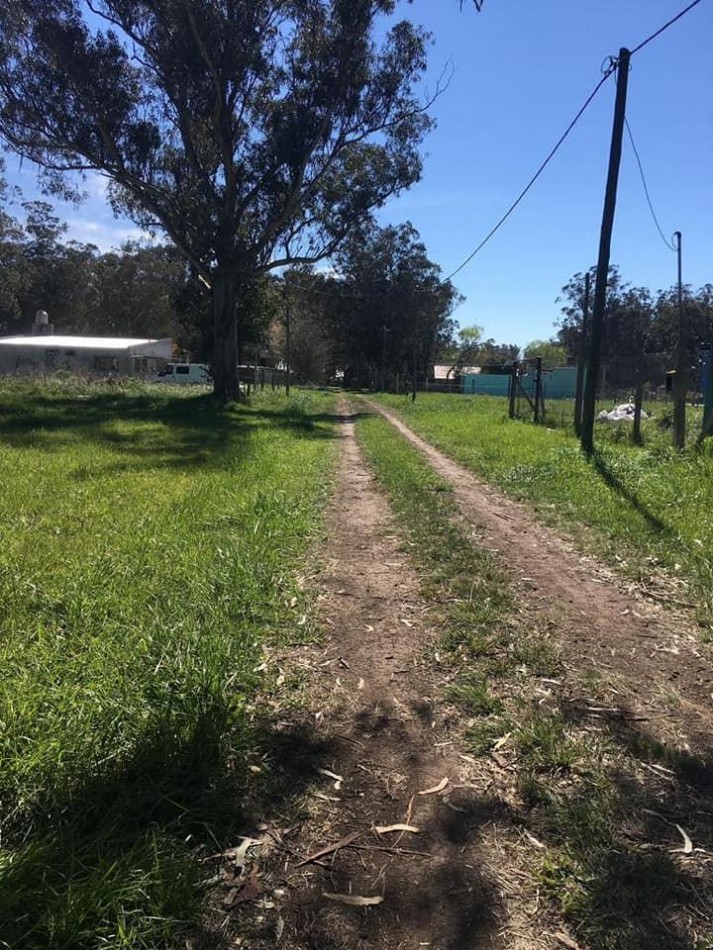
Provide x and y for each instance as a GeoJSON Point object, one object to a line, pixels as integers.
{"type": "Point", "coordinates": [665, 26]}
{"type": "Point", "coordinates": [646, 187]}
{"type": "Point", "coordinates": [609, 70]}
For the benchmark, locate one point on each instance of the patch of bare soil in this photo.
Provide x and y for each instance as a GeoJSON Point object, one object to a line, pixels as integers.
{"type": "Point", "coordinates": [662, 671]}
{"type": "Point", "coordinates": [392, 759]}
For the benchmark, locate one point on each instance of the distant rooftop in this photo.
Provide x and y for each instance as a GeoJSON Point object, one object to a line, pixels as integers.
{"type": "Point", "coordinates": [74, 342]}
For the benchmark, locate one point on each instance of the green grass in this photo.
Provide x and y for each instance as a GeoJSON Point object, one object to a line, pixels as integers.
{"type": "Point", "coordinates": [641, 508]}
{"type": "Point", "coordinates": [606, 867]}
{"type": "Point", "coordinates": [149, 544]}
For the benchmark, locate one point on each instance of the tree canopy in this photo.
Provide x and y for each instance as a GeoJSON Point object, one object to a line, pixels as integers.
{"type": "Point", "coordinates": [640, 327]}
{"type": "Point", "coordinates": [254, 133]}
{"type": "Point", "coordinates": [552, 354]}
{"type": "Point", "coordinates": [385, 312]}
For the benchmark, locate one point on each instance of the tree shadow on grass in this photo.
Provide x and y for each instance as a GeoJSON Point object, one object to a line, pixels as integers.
{"type": "Point", "coordinates": [657, 526]}
{"type": "Point", "coordinates": [118, 858]}
{"type": "Point", "coordinates": [620, 875]}
{"type": "Point", "coordinates": [185, 431]}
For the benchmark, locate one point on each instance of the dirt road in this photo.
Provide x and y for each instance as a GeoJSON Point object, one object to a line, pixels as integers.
{"type": "Point", "coordinates": [453, 879]}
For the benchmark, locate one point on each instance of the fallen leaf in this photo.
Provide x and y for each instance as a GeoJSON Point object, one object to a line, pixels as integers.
{"type": "Point", "coordinates": [385, 829]}
{"type": "Point", "coordinates": [353, 900]}
{"type": "Point", "coordinates": [250, 891]}
{"type": "Point", "coordinates": [327, 798]}
{"type": "Point", "coordinates": [567, 941]}
{"type": "Point", "coordinates": [501, 741]}
{"type": "Point", "coordinates": [337, 778]}
{"type": "Point", "coordinates": [230, 897]}
{"type": "Point", "coordinates": [687, 843]}
{"type": "Point", "coordinates": [280, 679]}
{"type": "Point", "coordinates": [360, 684]}
{"type": "Point", "coordinates": [239, 856]}
{"type": "Point", "coordinates": [436, 788]}
{"type": "Point", "coordinates": [342, 843]}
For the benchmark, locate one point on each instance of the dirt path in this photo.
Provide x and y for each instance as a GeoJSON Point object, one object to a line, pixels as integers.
{"type": "Point", "coordinates": [372, 703]}
{"type": "Point", "coordinates": [657, 657]}
{"type": "Point", "coordinates": [377, 718]}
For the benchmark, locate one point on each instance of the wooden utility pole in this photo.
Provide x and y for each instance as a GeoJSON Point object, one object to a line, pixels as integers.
{"type": "Point", "coordinates": [600, 287]}
{"type": "Point", "coordinates": [680, 380]}
{"type": "Point", "coordinates": [582, 364]}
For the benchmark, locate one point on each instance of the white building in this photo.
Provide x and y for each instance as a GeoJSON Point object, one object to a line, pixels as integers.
{"type": "Point", "coordinates": [124, 356]}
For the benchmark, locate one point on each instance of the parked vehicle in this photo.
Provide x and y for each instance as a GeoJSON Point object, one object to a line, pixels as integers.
{"type": "Point", "coordinates": [184, 373]}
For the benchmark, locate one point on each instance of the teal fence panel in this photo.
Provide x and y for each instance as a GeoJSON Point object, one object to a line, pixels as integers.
{"type": "Point", "coordinates": [558, 383]}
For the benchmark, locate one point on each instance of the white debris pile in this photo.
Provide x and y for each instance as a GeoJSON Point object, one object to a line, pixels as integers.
{"type": "Point", "coordinates": [622, 413]}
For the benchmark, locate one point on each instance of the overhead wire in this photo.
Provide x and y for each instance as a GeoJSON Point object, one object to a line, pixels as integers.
{"type": "Point", "coordinates": [668, 244]}
{"type": "Point", "coordinates": [608, 70]}
{"type": "Point", "coordinates": [611, 67]}
{"type": "Point", "coordinates": [607, 73]}
{"type": "Point", "coordinates": [665, 26]}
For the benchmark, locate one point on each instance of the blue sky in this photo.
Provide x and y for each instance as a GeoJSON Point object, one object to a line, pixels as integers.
{"type": "Point", "coordinates": [520, 71]}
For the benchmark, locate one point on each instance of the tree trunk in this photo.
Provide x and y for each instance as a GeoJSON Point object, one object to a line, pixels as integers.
{"type": "Point", "coordinates": [226, 386]}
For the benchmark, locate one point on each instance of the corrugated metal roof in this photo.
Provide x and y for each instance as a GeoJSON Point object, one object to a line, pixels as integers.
{"type": "Point", "coordinates": [74, 342]}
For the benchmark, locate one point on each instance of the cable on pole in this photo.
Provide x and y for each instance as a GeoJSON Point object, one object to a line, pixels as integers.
{"type": "Point", "coordinates": [609, 69]}
{"type": "Point", "coordinates": [646, 187]}
{"type": "Point", "coordinates": [665, 26]}
{"type": "Point", "coordinates": [610, 66]}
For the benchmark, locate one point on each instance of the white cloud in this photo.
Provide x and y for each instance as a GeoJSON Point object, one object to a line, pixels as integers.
{"type": "Point", "coordinates": [106, 235]}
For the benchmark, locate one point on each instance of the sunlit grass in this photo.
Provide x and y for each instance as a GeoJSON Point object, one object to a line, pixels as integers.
{"type": "Point", "coordinates": [149, 544]}
{"type": "Point", "coordinates": [640, 507]}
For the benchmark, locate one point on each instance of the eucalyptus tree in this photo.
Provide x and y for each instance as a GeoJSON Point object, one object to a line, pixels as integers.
{"type": "Point", "coordinates": [254, 133]}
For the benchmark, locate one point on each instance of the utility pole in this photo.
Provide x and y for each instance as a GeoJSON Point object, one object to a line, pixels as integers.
{"type": "Point", "coordinates": [680, 380]}
{"type": "Point", "coordinates": [600, 287]}
{"type": "Point", "coordinates": [582, 364]}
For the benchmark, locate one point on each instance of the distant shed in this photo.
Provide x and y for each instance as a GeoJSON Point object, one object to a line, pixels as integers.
{"type": "Point", "coordinates": [124, 356]}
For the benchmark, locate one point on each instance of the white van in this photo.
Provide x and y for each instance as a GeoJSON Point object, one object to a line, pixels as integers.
{"type": "Point", "coordinates": [183, 373]}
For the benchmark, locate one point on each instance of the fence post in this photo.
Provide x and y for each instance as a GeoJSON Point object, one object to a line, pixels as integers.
{"type": "Point", "coordinates": [538, 388]}
{"type": "Point", "coordinates": [513, 388]}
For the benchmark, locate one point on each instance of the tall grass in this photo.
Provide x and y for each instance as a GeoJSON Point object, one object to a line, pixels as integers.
{"type": "Point", "coordinates": [148, 548]}
{"type": "Point", "coordinates": [602, 822]}
{"type": "Point", "coordinates": [640, 507]}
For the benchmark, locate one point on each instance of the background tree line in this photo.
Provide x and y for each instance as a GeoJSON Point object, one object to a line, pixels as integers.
{"type": "Point", "coordinates": [387, 288]}
{"type": "Point", "coordinates": [640, 330]}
